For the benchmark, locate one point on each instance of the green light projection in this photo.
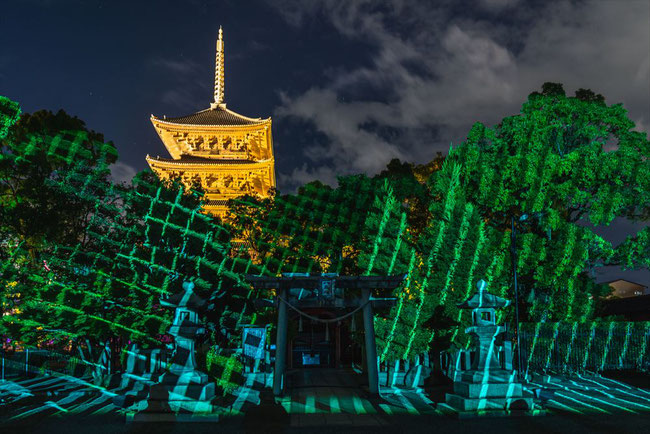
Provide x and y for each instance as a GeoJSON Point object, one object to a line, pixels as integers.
{"type": "Point", "coordinates": [138, 241]}
{"type": "Point", "coordinates": [9, 115]}
{"type": "Point", "coordinates": [591, 346]}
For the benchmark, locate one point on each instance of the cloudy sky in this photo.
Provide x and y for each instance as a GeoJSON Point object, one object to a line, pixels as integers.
{"type": "Point", "coordinates": [349, 84]}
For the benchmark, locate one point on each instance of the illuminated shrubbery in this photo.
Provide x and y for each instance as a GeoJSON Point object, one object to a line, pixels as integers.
{"type": "Point", "coordinates": [92, 258]}
{"type": "Point", "coordinates": [100, 271]}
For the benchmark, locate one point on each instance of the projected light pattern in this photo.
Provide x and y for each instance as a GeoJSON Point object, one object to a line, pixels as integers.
{"type": "Point", "coordinates": [607, 346]}
{"type": "Point", "coordinates": [468, 290]}
{"type": "Point", "coordinates": [533, 346]}
{"type": "Point", "coordinates": [400, 305]}
{"type": "Point", "coordinates": [556, 330]}
{"type": "Point", "coordinates": [224, 369]}
{"type": "Point", "coordinates": [392, 248]}
{"type": "Point", "coordinates": [591, 346]}
{"type": "Point", "coordinates": [593, 394]}
{"type": "Point", "coordinates": [590, 341]}
{"type": "Point", "coordinates": [387, 205]}
{"type": "Point", "coordinates": [626, 342]}
{"type": "Point", "coordinates": [140, 241]}
{"type": "Point", "coordinates": [300, 233]}
{"type": "Point", "coordinates": [398, 243]}
{"type": "Point", "coordinates": [110, 285]}
{"type": "Point", "coordinates": [312, 243]}
{"type": "Point", "coordinates": [291, 244]}
{"type": "Point", "coordinates": [574, 329]}
{"type": "Point", "coordinates": [458, 250]}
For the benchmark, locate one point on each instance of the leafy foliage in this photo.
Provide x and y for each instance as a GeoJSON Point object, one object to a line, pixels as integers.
{"type": "Point", "coordinates": [589, 346]}
{"type": "Point", "coordinates": [135, 245]}
{"type": "Point", "coordinates": [9, 115]}
{"type": "Point", "coordinates": [91, 258]}
{"type": "Point", "coordinates": [562, 160]}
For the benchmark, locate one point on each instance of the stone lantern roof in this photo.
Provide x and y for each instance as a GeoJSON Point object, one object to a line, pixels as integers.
{"type": "Point", "coordinates": [483, 299]}
{"type": "Point", "coordinates": [186, 299]}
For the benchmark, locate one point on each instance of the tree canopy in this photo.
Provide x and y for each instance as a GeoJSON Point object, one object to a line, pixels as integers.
{"type": "Point", "coordinates": [134, 244]}
{"type": "Point", "coordinates": [90, 257]}
{"type": "Point", "coordinates": [560, 162]}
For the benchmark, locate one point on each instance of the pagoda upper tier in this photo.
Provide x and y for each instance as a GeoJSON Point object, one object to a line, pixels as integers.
{"type": "Point", "coordinates": [216, 133]}
{"type": "Point", "coordinates": [227, 153]}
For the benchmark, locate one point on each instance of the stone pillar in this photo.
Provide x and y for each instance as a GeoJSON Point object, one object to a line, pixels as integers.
{"type": "Point", "coordinates": [484, 343]}
{"type": "Point", "coordinates": [280, 343]}
{"type": "Point", "coordinates": [371, 347]}
{"type": "Point", "coordinates": [183, 359]}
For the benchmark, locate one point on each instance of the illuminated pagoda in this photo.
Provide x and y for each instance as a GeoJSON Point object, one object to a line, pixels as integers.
{"type": "Point", "coordinates": [230, 155]}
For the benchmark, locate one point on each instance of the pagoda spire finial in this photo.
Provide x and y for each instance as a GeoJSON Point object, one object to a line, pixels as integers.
{"type": "Point", "coordinates": [219, 74]}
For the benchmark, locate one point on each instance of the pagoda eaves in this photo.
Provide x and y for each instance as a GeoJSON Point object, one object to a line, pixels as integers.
{"type": "Point", "coordinates": [212, 140]}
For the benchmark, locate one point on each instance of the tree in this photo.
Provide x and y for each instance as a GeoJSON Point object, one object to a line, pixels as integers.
{"type": "Point", "coordinates": [555, 161]}
{"type": "Point", "coordinates": [137, 244]}
{"type": "Point", "coordinates": [9, 115]}
{"type": "Point", "coordinates": [35, 154]}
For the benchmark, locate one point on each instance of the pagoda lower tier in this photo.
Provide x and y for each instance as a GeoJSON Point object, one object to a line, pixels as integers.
{"type": "Point", "coordinates": [221, 179]}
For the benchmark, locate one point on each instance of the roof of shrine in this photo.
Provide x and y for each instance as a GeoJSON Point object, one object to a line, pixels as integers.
{"type": "Point", "coordinates": [218, 116]}
{"type": "Point", "coordinates": [313, 281]}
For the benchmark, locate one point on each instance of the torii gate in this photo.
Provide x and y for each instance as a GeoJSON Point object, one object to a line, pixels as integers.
{"type": "Point", "coordinates": [302, 290]}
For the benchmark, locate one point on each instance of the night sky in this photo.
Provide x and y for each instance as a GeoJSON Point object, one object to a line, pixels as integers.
{"type": "Point", "coordinates": [349, 84]}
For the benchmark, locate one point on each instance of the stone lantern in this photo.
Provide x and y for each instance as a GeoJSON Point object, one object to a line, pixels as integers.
{"type": "Point", "coordinates": [484, 330]}
{"type": "Point", "coordinates": [186, 329]}
{"type": "Point", "coordinates": [182, 389]}
{"type": "Point", "coordinates": [486, 386]}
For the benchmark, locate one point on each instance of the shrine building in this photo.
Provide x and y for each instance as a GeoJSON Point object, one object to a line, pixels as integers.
{"type": "Point", "coordinates": [228, 154]}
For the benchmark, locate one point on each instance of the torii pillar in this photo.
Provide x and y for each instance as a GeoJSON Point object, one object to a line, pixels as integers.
{"type": "Point", "coordinates": [280, 342]}
{"type": "Point", "coordinates": [371, 346]}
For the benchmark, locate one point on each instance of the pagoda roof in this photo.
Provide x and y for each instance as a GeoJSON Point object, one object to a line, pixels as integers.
{"type": "Point", "coordinates": [192, 160]}
{"type": "Point", "coordinates": [217, 116]}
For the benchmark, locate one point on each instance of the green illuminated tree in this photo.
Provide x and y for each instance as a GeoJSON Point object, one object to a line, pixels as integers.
{"type": "Point", "coordinates": [562, 160]}
{"type": "Point", "coordinates": [34, 156]}
{"type": "Point", "coordinates": [387, 249]}
{"type": "Point", "coordinates": [315, 230]}
{"type": "Point", "coordinates": [135, 244]}
{"type": "Point", "coordinates": [91, 258]}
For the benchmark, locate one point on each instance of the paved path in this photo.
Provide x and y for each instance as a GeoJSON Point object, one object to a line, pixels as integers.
{"type": "Point", "coordinates": [337, 397]}
{"type": "Point", "coordinates": [52, 396]}
{"type": "Point", "coordinates": [580, 394]}
{"type": "Point", "coordinates": [322, 400]}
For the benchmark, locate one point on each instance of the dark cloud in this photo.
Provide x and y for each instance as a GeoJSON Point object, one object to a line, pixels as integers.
{"type": "Point", "coordinates": [497, 5]}
{"type": "Point", "coordinates": [469, 68]}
